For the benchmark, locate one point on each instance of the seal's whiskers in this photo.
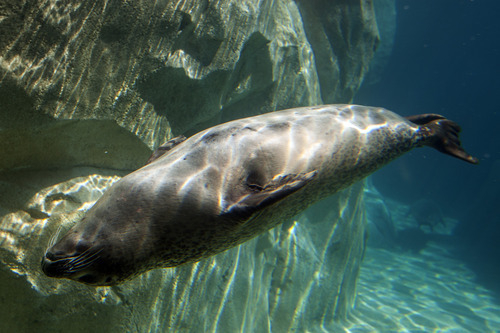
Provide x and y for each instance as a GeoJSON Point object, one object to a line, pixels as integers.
{"type": "Point", "coordinates": [81, 261]}
{"type": "Point", "coordinates": [53, 238]}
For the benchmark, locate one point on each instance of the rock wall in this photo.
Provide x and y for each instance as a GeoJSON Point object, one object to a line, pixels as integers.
{"type": "Point", "coordinates": [88, 88]}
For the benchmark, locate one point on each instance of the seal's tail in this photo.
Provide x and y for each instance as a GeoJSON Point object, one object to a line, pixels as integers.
{"type": "Point", "coordinates": [442, 134]}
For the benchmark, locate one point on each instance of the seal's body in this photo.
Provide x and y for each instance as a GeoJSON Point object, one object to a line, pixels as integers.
{"type": "Point", "coordinates": [200, 196]}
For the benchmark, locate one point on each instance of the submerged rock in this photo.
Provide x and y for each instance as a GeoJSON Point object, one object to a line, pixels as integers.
{"type": "Point", "coordinates": [87, 89]}
{"type": "Point", "coordinates": [382, 231]}
{"type": "Point", "coordinates": [427, 213]}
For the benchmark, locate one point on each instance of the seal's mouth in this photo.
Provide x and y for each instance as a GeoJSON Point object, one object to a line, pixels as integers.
{"type": "Point", "coordinates": [76, 267]}
{"type": "Point", "coordinates": [54, 267]}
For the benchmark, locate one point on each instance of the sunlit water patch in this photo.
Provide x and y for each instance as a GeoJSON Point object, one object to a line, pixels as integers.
{"type": "Point", "coordinates": [426, 292]}
{"type": "Point", "coordinates": [430, 290]}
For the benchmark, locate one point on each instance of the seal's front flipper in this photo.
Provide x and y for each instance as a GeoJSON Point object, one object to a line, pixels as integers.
{"type": "Point", "coordinates": [257, 197]}
{"type": "Point", "coordinates": [442, 134]}
{"type": "Point", "coordinates": [161, 150]}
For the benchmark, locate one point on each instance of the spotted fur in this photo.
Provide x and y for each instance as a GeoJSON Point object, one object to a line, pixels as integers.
{"type": "Point", "coordinates": [229, 183]}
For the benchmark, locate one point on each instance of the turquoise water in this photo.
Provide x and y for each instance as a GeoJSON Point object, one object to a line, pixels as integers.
{"type": "Point", "coordinates": [424, 290]}
{"type": "Point", "coordinates": [444, 61]}
{"type": "Point", "coordinates": [87, 89]}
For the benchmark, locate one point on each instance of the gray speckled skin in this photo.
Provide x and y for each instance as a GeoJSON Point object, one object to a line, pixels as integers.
{"type": "Point", "coordinates": [187, 204]}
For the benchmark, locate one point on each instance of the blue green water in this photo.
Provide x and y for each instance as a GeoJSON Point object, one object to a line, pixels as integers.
{"type": "Point", "coordinates": [445, 60]}
{"type": "Point", "coordinates": [432, 264]}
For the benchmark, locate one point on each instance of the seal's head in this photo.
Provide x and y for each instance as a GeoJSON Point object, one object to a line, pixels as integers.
{"type": "Point", "coordinates": [106, 247]}
{"type": "Point", "coordinates": [75, 258]}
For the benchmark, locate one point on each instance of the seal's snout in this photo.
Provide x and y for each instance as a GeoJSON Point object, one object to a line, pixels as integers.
{"type": "Point", "coordinates": [84, 267]}
{"type": "Point", "coordinates": [54, 256]}
{"type": "Point", "coordinates": [53, 267]}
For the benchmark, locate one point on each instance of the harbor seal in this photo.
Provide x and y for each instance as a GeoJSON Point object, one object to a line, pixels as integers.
{"type": "Point", "coordinates": [225, 185]}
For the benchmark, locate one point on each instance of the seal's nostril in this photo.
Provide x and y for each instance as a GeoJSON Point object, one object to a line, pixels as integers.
{"type": "Point", "coordinates": [53, 256]}
{"type": "Point", "coordinates": [49, 255]}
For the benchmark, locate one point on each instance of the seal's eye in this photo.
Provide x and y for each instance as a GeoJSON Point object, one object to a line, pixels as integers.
{"type": "Point", "coordinates": [88, 278]}
{"type": "Point", "coordinates": [82, 246]}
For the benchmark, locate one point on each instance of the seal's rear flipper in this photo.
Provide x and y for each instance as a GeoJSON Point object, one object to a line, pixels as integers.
{"type": "Point", "coordinates": [259, 197]}
{"type": "Point", "coordinates": [442, 134]}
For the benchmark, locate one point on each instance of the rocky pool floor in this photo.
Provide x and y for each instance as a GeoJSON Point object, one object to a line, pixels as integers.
{"type": "Point", "coordinates": [425, 292]}
{"type": "Point", "coordinates": [429, 290]}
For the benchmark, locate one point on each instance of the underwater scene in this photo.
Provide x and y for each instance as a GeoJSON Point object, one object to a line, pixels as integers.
{"type": "Point", "coordinates": [249, 166]}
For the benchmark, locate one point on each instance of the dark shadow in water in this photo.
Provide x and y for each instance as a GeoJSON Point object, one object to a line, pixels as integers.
{"type": "Point", "coordinates": [443, 58]}
{"type": "Point", "coordinates": [477, 237]}
{"type": "Point", "coordinates": [482, 256]}
{"type": "Point", "coordinates": [487, 273]}
{"type": "Point", "coordinates": [412, 239]}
